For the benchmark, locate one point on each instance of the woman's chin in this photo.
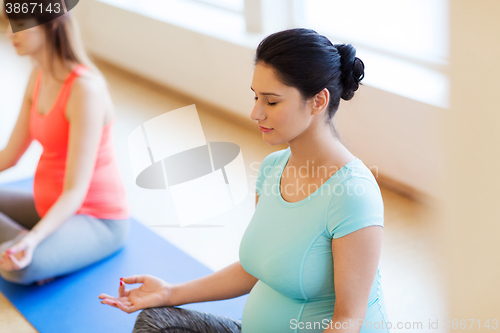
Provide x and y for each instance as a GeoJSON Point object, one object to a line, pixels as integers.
{"type": "Point", "coordinates": [20, 52]}
{"type": "Point", "coordinates": [272, 142]}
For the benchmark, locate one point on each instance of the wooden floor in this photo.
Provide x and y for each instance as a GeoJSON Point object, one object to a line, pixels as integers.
{"type": "Point", "coordinates": [410, 268]}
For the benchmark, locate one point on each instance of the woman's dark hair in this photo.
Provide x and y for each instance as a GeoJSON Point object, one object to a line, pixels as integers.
{"type": "Point", "coordinates": [308, 61]}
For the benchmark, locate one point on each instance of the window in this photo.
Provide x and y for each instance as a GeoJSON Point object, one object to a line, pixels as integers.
{"type": "Point", "coordinates": [233, 5]}
{"type": "Point", "coordinates": [416, 30]}
{"type": "Point", "coordinates": [204, 16]}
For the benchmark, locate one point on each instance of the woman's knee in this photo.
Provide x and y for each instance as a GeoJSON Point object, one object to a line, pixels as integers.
{"type": "Point", "coordinates": [179, 320]}
{"type": "Point", "coordinates": [154, 320]}
{"type": "Point", "coordinates": [18, 276]}
{"type": "Point", "coordinates": [120, 230]}
{"type": "Point", "coordinates": [124, 232]}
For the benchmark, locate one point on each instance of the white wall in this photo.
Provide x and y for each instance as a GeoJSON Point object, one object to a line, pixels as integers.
{"type": "Point", "coordinates": [471, 187]}
{"type": "Point", "coordinates": [395, 135]}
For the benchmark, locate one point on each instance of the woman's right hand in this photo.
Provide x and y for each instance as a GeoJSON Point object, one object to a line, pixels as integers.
{"type": "Point", "coordinates": [154, 292]}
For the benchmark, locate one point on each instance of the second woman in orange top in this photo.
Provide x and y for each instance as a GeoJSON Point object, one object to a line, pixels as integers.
{"type": "Point", "coordinates": [78, 212]}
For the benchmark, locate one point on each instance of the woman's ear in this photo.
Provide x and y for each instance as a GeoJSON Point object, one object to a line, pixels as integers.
{"type": "Point", "coordinates": [320, 101]}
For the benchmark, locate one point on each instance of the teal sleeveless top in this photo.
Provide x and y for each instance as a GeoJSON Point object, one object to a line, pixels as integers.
{"type": "Point", "coordinates": [287, 246]}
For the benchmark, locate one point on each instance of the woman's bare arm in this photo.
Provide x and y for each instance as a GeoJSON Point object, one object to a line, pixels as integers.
{"type": "Point", "coordinates": [229, 282]}
{"type": "Point", "coordinates": [356, 257]}
{"type": "Point", "coordinates": [20, 138]}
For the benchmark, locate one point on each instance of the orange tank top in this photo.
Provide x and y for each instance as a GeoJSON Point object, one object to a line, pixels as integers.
{"type": "Point", "coordinates": [106, 196]}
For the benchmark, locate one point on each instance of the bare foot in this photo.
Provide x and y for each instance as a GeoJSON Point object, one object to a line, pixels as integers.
{"type": "Point", "coordinates": [44, 281]}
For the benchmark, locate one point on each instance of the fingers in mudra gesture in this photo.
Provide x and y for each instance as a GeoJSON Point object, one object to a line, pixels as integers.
{"type": "Point", "coordinates": [9, 261]}
{"type": "Point", "coordinates": [154, 292]}
{"type": "Point", "coordinates": [18, 256]}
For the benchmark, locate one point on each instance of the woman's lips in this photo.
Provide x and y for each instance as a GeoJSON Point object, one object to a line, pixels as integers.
{"type": "Point", "coordinates": [265, 129]}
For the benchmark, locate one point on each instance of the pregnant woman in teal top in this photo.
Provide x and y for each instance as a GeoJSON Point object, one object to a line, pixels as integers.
{"type": "Point", "coordinates": [310, 256]}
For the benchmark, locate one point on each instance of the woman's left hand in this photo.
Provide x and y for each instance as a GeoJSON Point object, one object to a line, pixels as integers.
{"type": "Point", "coordinates": [20, 255]}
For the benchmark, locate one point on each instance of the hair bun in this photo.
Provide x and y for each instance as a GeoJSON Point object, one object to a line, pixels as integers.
{"type": "Point", "coordinates": [352, 69]}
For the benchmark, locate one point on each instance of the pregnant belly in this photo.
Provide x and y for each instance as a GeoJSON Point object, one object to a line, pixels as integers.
{"type": "Point", "coordinates": [267, 310]}
{"type": "Point", "coordinates": [48, 183]}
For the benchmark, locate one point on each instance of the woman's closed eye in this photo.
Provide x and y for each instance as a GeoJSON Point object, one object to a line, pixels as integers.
{"type": "Point", "coordinates": [268, 103]}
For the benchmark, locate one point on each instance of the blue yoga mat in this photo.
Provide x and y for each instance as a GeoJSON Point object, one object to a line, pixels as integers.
{"type": "Point", "coordinates": [70, 304]}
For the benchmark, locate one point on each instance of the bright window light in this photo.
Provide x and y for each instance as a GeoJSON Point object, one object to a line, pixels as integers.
{"type": "Point", "coordinates": [235, 5]}
{"type": "Point", "coordinates": [232, 5]}
{"type": "Point", "coordinates": [414, 29]}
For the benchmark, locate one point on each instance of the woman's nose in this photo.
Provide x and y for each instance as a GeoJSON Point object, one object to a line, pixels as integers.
{"type": "Point", "coordinates": [257, 112]}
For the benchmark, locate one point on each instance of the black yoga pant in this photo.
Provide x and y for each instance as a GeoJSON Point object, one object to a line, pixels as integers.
{"type": "Point", "coordinates": [179, 320]}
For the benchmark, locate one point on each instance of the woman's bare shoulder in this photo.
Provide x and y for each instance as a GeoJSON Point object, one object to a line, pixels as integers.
{"type": "Point", "coordinates": [92, 87]}
{"type": "Point", "coordinates": [91, 80]}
